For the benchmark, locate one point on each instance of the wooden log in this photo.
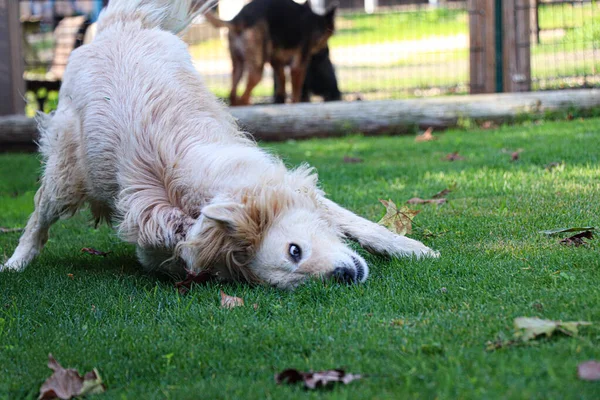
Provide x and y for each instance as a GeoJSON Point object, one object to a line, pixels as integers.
{"type": "Point", "coordinates": [301, 121]}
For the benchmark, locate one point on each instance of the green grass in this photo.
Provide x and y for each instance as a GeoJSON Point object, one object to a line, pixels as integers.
{"type": "Point", "coordinates": [417, 328]}
{"type": "Point", "coordinates": [360, 28]}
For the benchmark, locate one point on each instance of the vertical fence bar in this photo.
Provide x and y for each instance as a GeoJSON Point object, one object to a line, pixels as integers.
{"type": "Point", "coordinates": [12, 85]}
{"type": "Point", "coordinates": [482, 58]}
{"type": "Point", "coordinates": [516, 52]}
{"type": "Point", "coordinates": [500, 42]}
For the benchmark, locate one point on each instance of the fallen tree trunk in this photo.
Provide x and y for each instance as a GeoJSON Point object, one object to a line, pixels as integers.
{"type": "Point", "coordinates": [299, 121]}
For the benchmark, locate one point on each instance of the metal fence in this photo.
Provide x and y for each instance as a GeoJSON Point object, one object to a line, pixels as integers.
{"type": "Point", "coordinates": [565, 44]}
{"type": "Point", "coordinates": [404, 48]}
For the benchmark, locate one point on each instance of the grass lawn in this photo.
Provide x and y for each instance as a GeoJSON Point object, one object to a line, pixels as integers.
{"type": "Point", "coordinates": [417, 328]}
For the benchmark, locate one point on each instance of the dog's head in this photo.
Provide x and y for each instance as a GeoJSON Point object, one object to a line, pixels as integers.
{"type": "Point", "coordinates": [279, 235]}
{"type": "Point", "coordinates": [325, 27]}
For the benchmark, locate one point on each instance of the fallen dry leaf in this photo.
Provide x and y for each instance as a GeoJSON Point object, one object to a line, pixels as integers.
{"type": "Point", "coordinates": [418, 200]}
{"type": "Point", "coordinates": [499, 344]}
{"type": "Point", "coordinates": [397, 220]}
{"type": "Point", "coordinates": [527, 329]}
{"type": "Point", "coordinates": [230, 301]}
{"type": "Point", "coordinates": [453, 157]}
{"type": "Point", "coordinates": [551, 166]}
{"type": "Point", "coordinates": [444, 193]}
{"type": "Point", "coordinates": [551, 232]}
{"type": "Point", "coordinates": [488, 125]}
{"type": "Point", "coordinates": [10, 230]}
{"type": "Point", "coordinates": [426, 136]}
{"type": "Point", "coordinates": [577, 240]}
{"type": "Point", "coordinates": [315, 380]}
{"type": "Point", "coordinates": [94, 252]}
{"type": "Point", "coordinates": [589, 371]}
{"type": "Point", "coordinates": [352, 160]}
{"type": "Point", "coordinates": [67, 383]}
{"type": "Point", "coordinates": [530, 328]}
{"type": "Point", "coordinates": [71, 276]}
{"type": "Point", "coordinates": [185, 285]}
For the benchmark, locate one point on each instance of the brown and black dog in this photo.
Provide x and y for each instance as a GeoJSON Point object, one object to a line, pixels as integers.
{"type": "Point", "coordinates": [281, 32]}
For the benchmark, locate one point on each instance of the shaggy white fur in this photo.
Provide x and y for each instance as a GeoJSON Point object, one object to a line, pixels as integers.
{"type": "Point", "coordinates": [139, 137]}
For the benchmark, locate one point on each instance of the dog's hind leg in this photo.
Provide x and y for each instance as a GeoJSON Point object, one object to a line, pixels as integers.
{"type": "Point", "coordinates": [298, 74]}
{"type": "Point", "coordinates": [374, 237]}
{"type": "Point", "coordinates": [255, 73]}
{"type": "Point", "coordinates": [237, 61]}
{"type": "Point", "coordinates": [278, 81]}
{"type": "Point", "coordinates": [61, 192]}
{"type": "Point", "coordinates": [254, 60]}
{"type": "Point", "coordinates": [236, 76]}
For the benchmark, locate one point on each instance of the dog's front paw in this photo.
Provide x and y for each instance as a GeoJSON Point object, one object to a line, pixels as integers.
{"type": "Point", "coordinates": [403, 247]}
{"type": "Point", "coordinates": [13, 265]}
{"type": "Point", "coordinates": [431, 253]}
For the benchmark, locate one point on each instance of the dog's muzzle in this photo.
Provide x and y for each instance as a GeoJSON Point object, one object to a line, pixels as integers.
{"type": "Point", "coordinates": [350, 273]}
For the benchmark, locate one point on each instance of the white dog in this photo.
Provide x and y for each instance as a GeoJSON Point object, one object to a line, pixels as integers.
{"type": "Point", "coordinates": [139, 137]}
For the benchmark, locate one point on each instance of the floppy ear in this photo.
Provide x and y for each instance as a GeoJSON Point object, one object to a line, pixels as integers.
{"type": "Point", "coordinates": [224, 234]}
{"type": "Point", "coordinates": [230, 214]}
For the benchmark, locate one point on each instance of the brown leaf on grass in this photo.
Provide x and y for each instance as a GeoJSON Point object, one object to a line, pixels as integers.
{"type": "Point", "coordinates": [418, 200]}
{"type": "Point", "coordinates": [10, 230]}
{"type": "Point", "coordinates": [95, 252]}
{"type": "Point", "coordinates": [453, 157]}
{"type": "Point", "coordinates": [352, 160]}
{"type": "Point", "coordinates": [230, 301]}
{"type": "Point", "coordinates": [71, 276]}
{"type": "Point", "coordinates": [589, 371]}
{"type": "Point", "coordinates": [488, 125]}
{"type": "Point", "coordinates": [531, 328]}
{"type": "Point", "coordinates": [444, 193]}
{"type": "Point", "coordinates": [551, 232]}
{"type": "Point", "coordinates": [185, 285]}
{"type": "Point", "coordinates": [500, 344]}
{"type": "Point", "coordinates": [67, 383]}
{"type": "Point", "coordinates": [427, 136]}
{"type": "Point", "coordinates": [514, 156]}
{"type": "Point", "coordinates": [527, 329]}
{"type": "Point", "coordinates": [315, 380]}
{"type": "Point", "coordinates": [577, 240]}
{"type": "Point", "coordinates": [397, 220]}
{"type": "Point", "coordinates": [553, 165]}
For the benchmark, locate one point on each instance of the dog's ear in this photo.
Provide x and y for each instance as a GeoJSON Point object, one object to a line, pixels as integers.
{"type": "Point", "coordinates": [224, 233]}
{"type": "Point", "coordinates": [330, 12]}
{"type": "Point", "coordinates": [330, 16]}
{"type": "Point", "coordinates": [230, 214]}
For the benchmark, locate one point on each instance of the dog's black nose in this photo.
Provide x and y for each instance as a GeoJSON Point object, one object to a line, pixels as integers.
{"type": "Point", "coordinates": [344, 274]}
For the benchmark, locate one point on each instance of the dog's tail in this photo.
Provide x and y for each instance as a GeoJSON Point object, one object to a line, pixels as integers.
{"type": "Point", "coordinates": [218, 23]}
{"type": "Point", "coordinates": [170, 15]}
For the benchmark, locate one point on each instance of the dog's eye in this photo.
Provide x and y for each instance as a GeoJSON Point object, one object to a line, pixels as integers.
{"type": "Point", "coordinates": [295, 252]}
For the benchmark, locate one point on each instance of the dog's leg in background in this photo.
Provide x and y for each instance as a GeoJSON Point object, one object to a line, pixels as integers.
{"type": "Point", "coordinates": [255, 50]}
{"type": "Point", "coordinates": [238, 65]}
{"type": "Point", "coordinates": [278, 81]}
{"type": "Point", "coordinates": [61, 192]}
{"type": "Point", "coordinates": [374, 237]}
{"type": "Point", "coordinates": [298, 72]}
